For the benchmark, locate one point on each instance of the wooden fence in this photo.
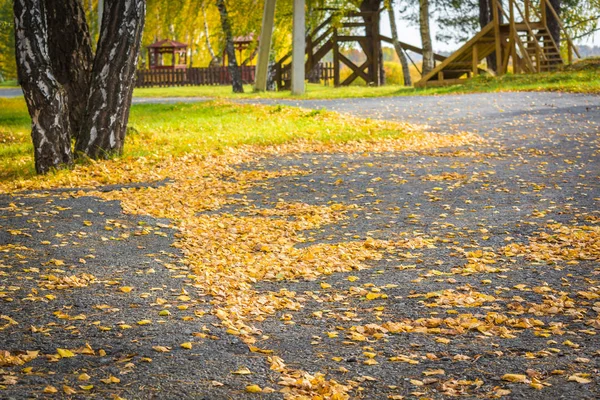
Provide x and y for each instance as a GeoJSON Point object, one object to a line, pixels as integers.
{"type": "Point", "coordinates": [322, 72]}
{"type": "Point", "coordinates": [190, 76]}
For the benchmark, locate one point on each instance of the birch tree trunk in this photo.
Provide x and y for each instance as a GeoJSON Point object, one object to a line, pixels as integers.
{"type": "Point", "coordinates": [234, 69]}
{"type": "Point", "coordinates": [214, 59]}
{"type": "Point", "coordinates": [403, 61]}
{"type": "Point", "coordinates": [47, 101]}
{"type": "Point", "coordinates": [425, 36]}
{"type": "Point", "coordinates": [113, 79]}
{"type": "Point", "coordinates": [70, 51]}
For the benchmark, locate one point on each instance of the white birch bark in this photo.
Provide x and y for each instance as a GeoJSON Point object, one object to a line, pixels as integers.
{"type": "Point", "coordinates": [113, 79]}
{"type": "Point", "coordinates": [46, 99]}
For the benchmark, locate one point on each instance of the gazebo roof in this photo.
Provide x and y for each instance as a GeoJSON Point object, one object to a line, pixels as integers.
{"type": "Point", "coordinates": [167, 43]}
{"type": "Point", "coordinates": [244, 39]}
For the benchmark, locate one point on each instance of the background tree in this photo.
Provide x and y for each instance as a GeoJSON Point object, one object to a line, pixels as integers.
{"type": "Point", "coordinates": [8, 68]}
{"type": "Point", "coordinates": [426, 43]}
{"type": "Point", "coordinates": [485, 17]}
{"type": "Point", "coordinates": [234, 68]}
{"type": "Point", "coordinates": [399, 50]}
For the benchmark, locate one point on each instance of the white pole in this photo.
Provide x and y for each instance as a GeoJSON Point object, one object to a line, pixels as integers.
{"type": "Point", "coordinates": [264, 47]}
{"type": "Point", "coordinates": [298, 48]}
{"type": "Point", "coordinates": [100, 12]}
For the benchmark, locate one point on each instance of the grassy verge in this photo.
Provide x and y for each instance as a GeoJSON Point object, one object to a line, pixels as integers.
{"type": "Point", "coordinates": [160, 130]}
{"type": "Point", "coordinates": [10, 84]}
{"type": "Point", "coordinates": [577, 80]}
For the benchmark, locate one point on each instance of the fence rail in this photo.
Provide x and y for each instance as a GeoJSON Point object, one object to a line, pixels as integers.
{"type": "Point", "coordinates": [190, 76]}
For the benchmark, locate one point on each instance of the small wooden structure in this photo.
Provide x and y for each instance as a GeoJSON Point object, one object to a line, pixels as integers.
{"type": "Point", "coordinates": [176, 50]}
{"type": "Point", "coordinates": [518, 33]}
{"type": "Point", "coordinates": [328, 37]}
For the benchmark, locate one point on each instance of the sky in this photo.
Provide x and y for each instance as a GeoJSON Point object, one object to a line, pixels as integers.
{"type": "Point", "coordinates": [409, 33]}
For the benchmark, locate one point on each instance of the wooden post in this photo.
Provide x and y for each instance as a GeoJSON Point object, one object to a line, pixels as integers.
{"type": "Point", "coordinates": [264, 46]}
{"type": "Point", "coordinates": [543, 11]}
{"type": "Point", "coordinates": [497, 38]}
{"type": "Point", "coordinates": [100, 13]}
{"type": "Point", "coordinates": [513, 35]}
{"type": "Point", "coordinates": [336, 58]}
{"type": "Point", "coordinates": [376, 43]}
{"type": "Point", "coordinates": [298, 47]}
{"type": "Point", "coordinates": [475, 60]}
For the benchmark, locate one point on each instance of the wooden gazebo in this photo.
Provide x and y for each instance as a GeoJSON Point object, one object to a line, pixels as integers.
{"type": "Point", "coordinates": [176, 50]}
{"type": "Point", "coordinates": [241, 44]}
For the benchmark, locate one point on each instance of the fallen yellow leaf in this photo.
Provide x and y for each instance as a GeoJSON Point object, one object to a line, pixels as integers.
{"type": "Point", "coordinates": [253, 389]}
{"type": "Point", "coordinates": [84, 377]}
{"type": "Point", "coordinates": [515, 378]}
{"type": "Point", "coordinates": [242, 371]}
{"type": "Point", "coordinates": [50, 389]}
{"type": "Point", "coordinates": [65, 353]}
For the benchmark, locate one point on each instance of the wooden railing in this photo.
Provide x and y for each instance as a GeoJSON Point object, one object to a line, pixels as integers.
{"type": "Point", "coordinates": [191, 76]}
{"type": "Point", "coordinates": [321, 73]}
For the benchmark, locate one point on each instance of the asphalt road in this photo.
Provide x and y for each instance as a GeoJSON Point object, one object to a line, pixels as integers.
{"type": "Point", "coordinates": [538, 168]}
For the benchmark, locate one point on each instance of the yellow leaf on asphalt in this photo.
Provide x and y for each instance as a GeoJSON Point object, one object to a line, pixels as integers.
{"type": "Point", "coordinates": [579, 378]}
{"type": "Point", "coordinates": [514, 378]}
{"type": "Point", "coordinates": [186, 345]}
{"type": "Point", "coordinates": [50, 389]}
{"type": "Point", "coordinates": [242, 371]}
{"type": "Point", "coordinates": [434, 372]}
{"type": "Point", "coordinates": [125, 289]}
{"type": "Point", "coordinates": [65, 353]}
{"type": "Point", "coordinates": [253, 389]}
{"type": "Point", "coordinates": [69, 390]}
{"type": "Point", "coordinates": [110, 379]}
{"type": "Point", "coordinates": [500, 392]}
{"type": "Point", "coordinates": [83, 377]}
{"type": "Point", "coordinates": [161, 349]}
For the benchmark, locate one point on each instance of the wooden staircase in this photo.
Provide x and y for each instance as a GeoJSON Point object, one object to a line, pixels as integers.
{"type": "Point", "coordinates": [519, 33]}
{"type": "Point", "coordinates": [331, 35]}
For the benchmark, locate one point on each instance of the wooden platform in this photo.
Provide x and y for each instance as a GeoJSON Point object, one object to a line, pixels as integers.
{"type": "Point", "coordinates": [524, 42]}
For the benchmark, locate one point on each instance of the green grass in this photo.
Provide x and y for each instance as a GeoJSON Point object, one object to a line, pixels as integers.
{"type": "Point", "coordinates": [10, 83]}
{"type": "Point", "coordinates": [582, 80]}
{"type": "Point", "coordinates": [16, 151]}
{"type": "Point", "coordinates": [173, 129]}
